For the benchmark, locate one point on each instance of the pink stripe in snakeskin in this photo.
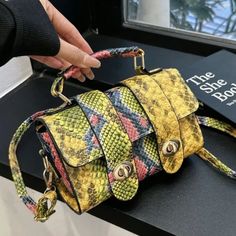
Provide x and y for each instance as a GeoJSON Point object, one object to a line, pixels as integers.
{"type": "Point", "coordinates": [143, 122]}
{"type": "Point", "coordinates": [140, 168]}
{"type": "Point", "coordinates": [94, 119]}
{"type": "Point", "coordinates": [57, 161]}
{"type": "Point", "coordinates": [95, 141]}
{"type": "Point", "coordinates": [129, 127]}
{"type": "Point", "coordinates": [111, 177]}
{"type": "Point", "coordinates": [37, 114]}
{"type": "Point", "coordinates": [31, 207]}
{"type": "Point", "coordinates": [101, 54]}
{"type": "Point", "coordinates": [130, 54]}
{"type": "Point", "coordinates": [71, 72]}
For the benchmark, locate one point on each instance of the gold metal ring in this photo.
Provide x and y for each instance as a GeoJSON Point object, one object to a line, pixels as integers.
{"type": "Point", "coordinates": [140, 55]}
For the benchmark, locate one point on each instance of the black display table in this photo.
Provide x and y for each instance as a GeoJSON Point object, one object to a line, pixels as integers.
{"type": "Point", "coordinates": [195, 201]}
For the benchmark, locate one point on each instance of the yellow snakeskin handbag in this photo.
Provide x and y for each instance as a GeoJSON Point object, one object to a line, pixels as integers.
{"type": "Point", "coordinates": [102, 144]}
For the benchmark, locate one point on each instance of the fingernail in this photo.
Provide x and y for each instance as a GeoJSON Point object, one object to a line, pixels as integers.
{"type": "Point", "coordinates": [82, 78]}
{"type": "Point", "coordinates": [91, 62]}
{"type": "Point", "coordinates": [77, 75]}
{"type": "Point", "coordinates": [90, 76]}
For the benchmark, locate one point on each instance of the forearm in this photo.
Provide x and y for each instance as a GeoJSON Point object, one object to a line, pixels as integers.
{"type": "Point", "coordinates": [25, 29]}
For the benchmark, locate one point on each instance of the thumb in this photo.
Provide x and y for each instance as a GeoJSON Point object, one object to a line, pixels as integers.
{"type": "Point", "coordinates": [76, 56]}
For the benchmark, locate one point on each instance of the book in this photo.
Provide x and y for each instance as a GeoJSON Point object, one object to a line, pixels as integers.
{"type": "Point", "coordinates": [213, 81]}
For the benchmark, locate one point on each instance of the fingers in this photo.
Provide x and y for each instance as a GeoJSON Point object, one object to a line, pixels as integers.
{"type": "Point", "coordinates": [65, 63]}
{"type": "Point", "coordinates": [88, 73]}
{"type": "Point", "coordinates": [49, 61]}
{"type": "Point", "coordinates": [76, 56]}
{"type": "Point", "coordinates": [73, 47]}
{"type": "Point", "coordinates": [66, 30]}
{"type": "Point", "coordinates": [59, 63]}
{"type": "Point", "coordinates": [79, 76]}
{"type": "Point", "coordinates": [74, 50]}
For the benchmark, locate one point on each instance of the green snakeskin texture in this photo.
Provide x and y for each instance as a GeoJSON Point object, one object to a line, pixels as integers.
{"type": "Point", "coordinates": [178, 93]}
{"type": "Point", "coordinates": [16, 173]}
{"type": "Point", "coordinates": [217, 124]}
{"type": "Point", "coordinates": [193, 140]}
{"type": "Point", "coordinates": [90, 183]}
{"type": "Point", "coordinates": [129, 110]}
{"type": "Point", "coordinates": [113, 138]}
{"type": "Point", "coordinates": [73, 134]}
{"type": "Point", "coordinates": [208, 156]}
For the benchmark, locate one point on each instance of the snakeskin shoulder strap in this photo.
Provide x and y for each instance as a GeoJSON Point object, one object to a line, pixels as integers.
{"type": "Point", "coordinates": [208, 156]}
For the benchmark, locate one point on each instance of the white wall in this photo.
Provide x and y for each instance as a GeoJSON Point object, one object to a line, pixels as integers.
{"type": "Point", "coordinates": [17, 220]}
{"type": "Point", "coordinates": [13, 73]}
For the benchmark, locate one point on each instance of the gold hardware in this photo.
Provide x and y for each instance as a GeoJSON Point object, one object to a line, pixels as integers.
{"type": "Point", "coordinates": [47, 173]}
{"type": "Point", "coordinates": [48, 178]}
{"type": "Point", "coordinates": [140, 54]}
{"type": "Point", "coordinates": [123, 170]}
{"type": "Point", "coordinates": [43, 209]}
{"type": "Point", "coordinates": [64, 98]}
{"type": "Point", "coordinates": [171, 147]}
{"type": "Point", "coordinates": [57, 88]}
{"type": "Point", "coordinates": [154, 71]}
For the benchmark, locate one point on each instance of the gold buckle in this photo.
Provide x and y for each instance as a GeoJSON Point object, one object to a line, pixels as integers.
{"type": "Point", "coordinates": [140, 55]}
{"type": "Point", "coordinates": [43, 209]}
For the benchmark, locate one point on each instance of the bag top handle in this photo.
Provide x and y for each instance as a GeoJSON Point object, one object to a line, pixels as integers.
{"type": "Point", "coordinates": [134, 52]}
{"type": "Point", "coordinates": [109, 53]}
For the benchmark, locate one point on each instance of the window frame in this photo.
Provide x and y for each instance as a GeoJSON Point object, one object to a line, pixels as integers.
{"type": "Point", "coordinates": [177, 33]}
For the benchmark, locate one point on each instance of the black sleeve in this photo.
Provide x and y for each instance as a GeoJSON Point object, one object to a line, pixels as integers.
{"type": "Point", "coordinates": [25, 29]}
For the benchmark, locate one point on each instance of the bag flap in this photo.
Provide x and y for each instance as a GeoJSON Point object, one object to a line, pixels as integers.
{"type": "Point", "coordinates": [72, 133]}
{"type": "Point", "coordinates": [176, 90]}
{"type": "Point", "coordinates": [166, 99]}
{"type": "Point", "coordinates": [130, 112]}
{"type": "Point", "coordinates": [74, 138]}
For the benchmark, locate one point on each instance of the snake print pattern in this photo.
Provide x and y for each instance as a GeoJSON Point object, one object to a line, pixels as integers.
{"type": "Point", "coordinates": [15, 169]}
{"type": "Point", "coordinates": [113, 139]}
{"type": "Point", "coordinates": [95, 112]}
{"type": "Point", "coordinates": [112, 52]}
{"type": "Point", "coordinates": [155, 94]}
{"type": "Point", "coordinates": [89, 138]}
{"type": "Point", "coordinates": [208, 156]}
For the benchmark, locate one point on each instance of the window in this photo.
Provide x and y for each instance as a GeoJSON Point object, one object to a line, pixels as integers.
{"type": "Point", "coordinates": [210, 20]}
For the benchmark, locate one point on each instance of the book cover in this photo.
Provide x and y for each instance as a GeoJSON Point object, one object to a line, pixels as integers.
{"type": "Point", "coordinates": [213, 81]}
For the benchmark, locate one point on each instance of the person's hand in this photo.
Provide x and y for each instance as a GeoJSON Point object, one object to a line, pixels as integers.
{"type": "Point", "coordinates": [73, 48]}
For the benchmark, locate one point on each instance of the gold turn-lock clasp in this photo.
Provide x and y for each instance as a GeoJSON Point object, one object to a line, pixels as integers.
{"type": "Point", "coordinates": [123, 171]}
